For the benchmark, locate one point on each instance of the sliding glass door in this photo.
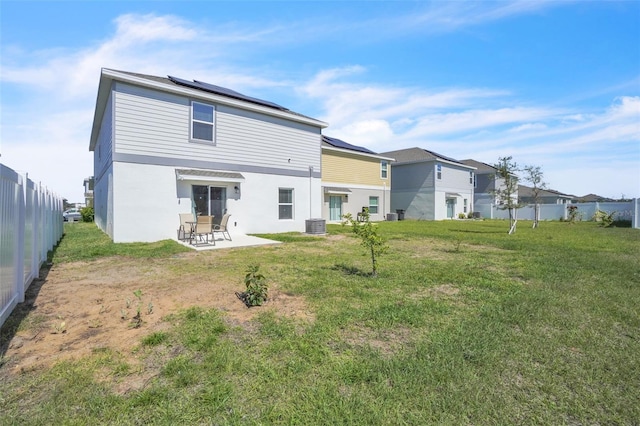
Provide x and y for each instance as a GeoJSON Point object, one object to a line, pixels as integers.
{"type": "Point", "coordinates": [210, 201]}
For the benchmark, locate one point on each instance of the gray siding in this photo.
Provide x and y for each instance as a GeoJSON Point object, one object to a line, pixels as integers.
{"type": "Point", "coordinates": [412, 176]}
{"type": "Point", "coordinates": [155, 124]}
{"type": "Point", "coordinates": [454, 178]}
{"type": "Point", "coordinates": [103, 152]}
{"type": "Point", "coordinates": [485, 183]}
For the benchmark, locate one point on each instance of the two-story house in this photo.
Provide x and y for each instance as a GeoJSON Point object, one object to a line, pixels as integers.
{"type": "Point", "coordinates": [164, 146]}
{"type": "Point", "coordinates": [486, 182]}
{"type": "Point", "coordinates": [88, 191]}
{"type": "Point", "coordinates": [430, 186]}
{"type": "Point", "coordinates": [354, 177]}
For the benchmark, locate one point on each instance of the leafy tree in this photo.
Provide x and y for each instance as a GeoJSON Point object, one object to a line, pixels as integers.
{"type": "Point", "coordinates": [535, 176]}
{"type": "Point", "coordinates": [368, 234]}
{"type": "Point", "coordinates": [506, 189]}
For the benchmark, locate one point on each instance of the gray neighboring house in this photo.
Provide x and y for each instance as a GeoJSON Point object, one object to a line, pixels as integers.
{"type": "Point", "coordinates": [430, 186]}
{"type": "Point", "coordinates": [545, 196]}
{"type": "Point", "coordinates": [486, 183]}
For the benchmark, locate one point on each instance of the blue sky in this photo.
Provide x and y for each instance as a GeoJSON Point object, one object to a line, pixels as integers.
{"type": "Point", "coordinates": [552, 84]}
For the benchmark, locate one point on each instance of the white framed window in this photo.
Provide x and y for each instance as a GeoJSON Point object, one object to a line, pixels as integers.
{"type": "Point", "coordinates": [465, 205]}
{"type": "Point", "coordinates": [472, 178]}
{"type": "Point", "coordinates": [373, 205]}
{"type": "Point", "coordinates": [202, 122]}
{"type": "Point", "coordinates": [285, 203]}
{"type": "Point", "coordinates": [439, 171]}
{"type": "Point", "coordinates": [384, 165]}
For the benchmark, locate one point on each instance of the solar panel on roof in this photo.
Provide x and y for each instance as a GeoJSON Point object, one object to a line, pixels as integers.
{"type": "Point", "coordinates": [232, 93]}
{"type": "Point", "coordinates": [200, 85]}
{"type": "Point", "coordinates": [342, 144]}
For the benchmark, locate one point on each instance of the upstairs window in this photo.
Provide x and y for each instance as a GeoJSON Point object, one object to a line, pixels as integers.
{"type": "Point", "coordinates": [438, 171]}
{"type": "Point", "coordinates": [383, 169]}
{"type": "Point", "coordinates": [472, 178]}
{"type": "Point", "coordinates": [202, 122]}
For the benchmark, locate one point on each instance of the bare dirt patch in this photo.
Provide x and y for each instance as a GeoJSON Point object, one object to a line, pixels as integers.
{"type": "Point", "coordinates": [78, 308]}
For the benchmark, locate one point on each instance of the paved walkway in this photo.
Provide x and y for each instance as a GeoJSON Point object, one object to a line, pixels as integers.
{"type": "Point", "coordinates": [238, 240]}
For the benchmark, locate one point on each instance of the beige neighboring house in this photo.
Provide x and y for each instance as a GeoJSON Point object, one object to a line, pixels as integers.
{"type": "Point", "coordinates": [354, 177]}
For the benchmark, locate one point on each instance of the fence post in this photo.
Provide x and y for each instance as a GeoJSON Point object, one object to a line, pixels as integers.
{"type": "Point", "coordinates": [20, 233]}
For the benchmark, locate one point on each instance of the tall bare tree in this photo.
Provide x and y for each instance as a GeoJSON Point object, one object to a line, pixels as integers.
{"type": "Point", "coordinates": [506, 189]}
{"type": "Point", "coordinates": [535, 176]}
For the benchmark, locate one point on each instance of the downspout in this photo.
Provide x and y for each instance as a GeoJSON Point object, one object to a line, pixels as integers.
{"type": "Point", "coordinates": [384, 200]}
{"type": "Point", "coordinates": [310, 191]}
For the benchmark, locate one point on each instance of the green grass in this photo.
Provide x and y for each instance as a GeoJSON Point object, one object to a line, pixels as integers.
{"type": "Point", "coordinates": [83, 241]}
{"type": "Point", "coordinates": [463, 325]}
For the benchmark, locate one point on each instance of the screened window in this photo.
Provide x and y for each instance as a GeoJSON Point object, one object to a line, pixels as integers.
{"type": "Point", "coordinates": [202, 122]}
{"type": "Point", "coordinates": [285, 203]}
{"type": "Point", "coordinates": [383, 169]}
{"type": "Point", "coordinates": [373, 205]}
{"type": "Point", "coordinates": [438, 171]}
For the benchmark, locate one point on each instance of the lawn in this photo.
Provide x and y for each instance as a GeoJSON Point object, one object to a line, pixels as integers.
{"type": "Point", "coordinates": [464, 324]}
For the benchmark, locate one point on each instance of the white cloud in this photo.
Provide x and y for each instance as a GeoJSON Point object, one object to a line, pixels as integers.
{"type": "Point", "coordinates": [57, 89]}
{"type": "Point", "coordinates": [528, 127]}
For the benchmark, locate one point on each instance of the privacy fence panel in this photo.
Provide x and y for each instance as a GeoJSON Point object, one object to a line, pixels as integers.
{"type": "Point", "coordinates": [625, 211]}
{"type": "Point", "coordinates": [30, 226]}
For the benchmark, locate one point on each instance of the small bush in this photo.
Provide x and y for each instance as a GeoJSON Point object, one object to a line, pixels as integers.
{"type": "Point", "coordinates": [87, 214]}
{"type": "Point", "coordinates": [462, 216]}
{"type": "Point", "coordinates": [256, 293]}
{"type": "Point", "coordinates": [603, 218]}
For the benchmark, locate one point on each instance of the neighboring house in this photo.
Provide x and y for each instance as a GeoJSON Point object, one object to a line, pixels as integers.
{"type": "Point", "coordinates": [164, 146]}
{"type": "Point", "coordinates": [545, 196]}
{"type": "Point", "coordinates": [354, 177]}
{"type": "Point", "coordinates": [592, 198]}
{"type": "Point", "coordinates": [486, 182]}
{"type": "Point", "coordinates": [430, 186]}
{"type": "Point", "coordinates": [88, 191]}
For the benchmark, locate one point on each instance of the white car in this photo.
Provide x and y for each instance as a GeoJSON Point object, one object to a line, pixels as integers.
{"type": "Point", "coordinates": [72, 214]}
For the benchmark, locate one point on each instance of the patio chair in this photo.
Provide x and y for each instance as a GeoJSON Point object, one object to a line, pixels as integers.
{"type": "Point", "coordinates": [204, 226]}
{"type": "Point", "coordinates": [223, 228]}
{"type": "Point", "coordinates": [184, 231]}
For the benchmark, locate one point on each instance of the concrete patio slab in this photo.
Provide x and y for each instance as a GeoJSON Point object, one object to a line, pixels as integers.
{"type": "Point", "coordinates": [238, 240]}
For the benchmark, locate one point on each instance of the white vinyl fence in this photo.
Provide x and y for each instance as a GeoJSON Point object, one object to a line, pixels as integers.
{"type": "Point", "coordinates": [628, 210]}
{"type": "Point", "coordinates": [30, 226]}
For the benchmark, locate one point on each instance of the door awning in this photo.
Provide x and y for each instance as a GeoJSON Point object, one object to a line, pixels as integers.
{"type": "Point", "coordinates": [336, 190]}
{"type": "Point", "coordinates": [452, 195]}
{"type": "Point", "coordinates": [208, 175]}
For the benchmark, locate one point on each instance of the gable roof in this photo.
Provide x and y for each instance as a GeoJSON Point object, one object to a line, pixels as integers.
{"type": "Point", "coordinates": [416, 155]}
{"type": "Point", "coordinates": [590, 198]}
{"type": "Point", "coordinates": [187, 88]}
{"type": "Point", "coordinates": [481, 167]}
{"type": "Point", "coordinates": [527, 191]}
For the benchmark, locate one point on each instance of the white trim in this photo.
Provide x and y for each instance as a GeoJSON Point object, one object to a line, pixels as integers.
{"type": "Point", "coordinates": [382, 187]}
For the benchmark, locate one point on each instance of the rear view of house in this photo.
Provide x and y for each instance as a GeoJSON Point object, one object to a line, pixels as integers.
{"type": "Point", "coordinates": [430, 186]}
{"type": "Point", "coordinates": [165, 146]}
{"type": "Point", "coordinates": [353, 177]}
